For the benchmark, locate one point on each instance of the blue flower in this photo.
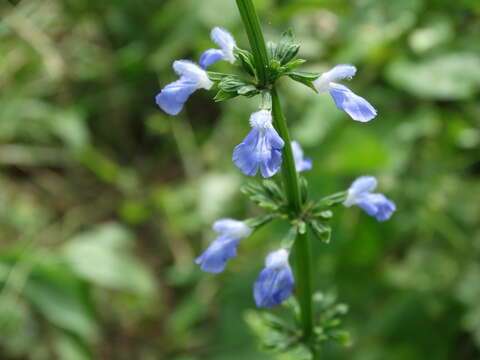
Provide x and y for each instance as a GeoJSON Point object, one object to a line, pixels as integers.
{"type": "Point", "coordinates": [275, 282]}
{"type": "Point", "coordinates": [357, 107]}
{"type": "Point", "coordinates": [377, 205]}
{"type": "Point", "coordinates": [261, 148]}
{"type": "Point", "coordinates": [301, 163]}
{"type": "Point", "coordinates": [224, 247]}
{"type": "Point", "coordinates": [225, 40]}
{"type": "Point", "coordinates": [174, 95]}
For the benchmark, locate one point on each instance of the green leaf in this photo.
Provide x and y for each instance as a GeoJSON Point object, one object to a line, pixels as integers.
{"type": "Point", "coordinates": [246, 60]}
{"type": "Point", "coordinates": [276, 335]}
{"type": "Point", "coordinates": [331, 200]}
{"type": "Point", "coordinates": [321, 231]}
{"type": "Point", "coordinates": [231, 83]}
{"type": "Point", "coordinates": [266, 195]}
{"type": "Point", "coordinates": [293, 64]}
{"type": "Point", "coordinates": [326, 214]}
{"type": "Point", "coordinates": [223, 95]}
{"type": "Point", "coordinates": [271, 46]}
{"type": "Point", "coordinates": [305, 78]}
{"type": "Point", "coordinates": [273, 189]}
{"type": "Point", "coordinates": [259, 221]}
{"type": "Point", "coordinates": [231, 86]}
{"type": "Point", "coordinates": [216, 76]}
{"type": "Point", "coordinates": [287, 48]}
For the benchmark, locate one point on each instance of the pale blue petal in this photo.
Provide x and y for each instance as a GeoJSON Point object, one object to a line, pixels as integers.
{"type": "Point", "coordinates": [210, 57]}
{"type": "Point", "coordinates": [274, 139]}
{"type": "Point", "coordinates": [357, 107]}
{"type": "Point", "coordinates": [225, 40]}
{"type": "Point", "coordinates": [272, 165]}
{"type": "Point", "coordinates": [377, 205]}
{"type": "Point", "coordinates": [174, 95]}
{"type": "Point", "coordinates": [343, 71]}
{"type": "Point", "coordinates": [214, 259]}
{"type": "Point", "coordinates": [301, 163]}
{"type": "Point", "coordinates": [305, 165]}
{"type": "Point", "coordinates": [231, 228]}
{"type": "Point", "coordinates": [363, 184]}
{"type": "Point", "coordinates": [222, 38]}
{"type": "Point", "coordinates": [243, 155]}
{"type": "Point", "coordinates": [261, 149]}
{"type": "Point", "coordinates": [273, 286]}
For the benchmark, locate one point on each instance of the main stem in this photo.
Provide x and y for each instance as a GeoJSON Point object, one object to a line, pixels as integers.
{"type": "Point", "coordinates": [301, 249]}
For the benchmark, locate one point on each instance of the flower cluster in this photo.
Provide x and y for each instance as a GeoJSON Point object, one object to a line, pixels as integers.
{"type": "Point", "coordinates": [262, 149]}
{"type": "Point", "coordinates": [275, 282]}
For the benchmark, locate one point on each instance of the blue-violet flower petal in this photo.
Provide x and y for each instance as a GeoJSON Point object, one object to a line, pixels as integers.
{"type": "Point", "coordinates": [301, 163]}
{"type": "Point", "coordinates": [227, 44]}
{"type": "Point", "coordinates": [261, 148]}
{"type": "Point", "coordinates": [275, 283]}
{"type": "Point", "coordinates": [357, 107]}
{"type": "Point", "coordinates": [377, 205]}
{"type": "Point", "coordinates": [173, 96]}
{"type": "Point", "coordinates": [224, 247]}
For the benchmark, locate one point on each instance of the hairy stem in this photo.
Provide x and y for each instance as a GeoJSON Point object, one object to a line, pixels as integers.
{"type": "Point", "coordinates": [301, 249]}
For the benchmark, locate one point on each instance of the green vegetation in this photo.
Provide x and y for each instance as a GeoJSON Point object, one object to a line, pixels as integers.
{"type": "Point", "coordinates": [106, 201]}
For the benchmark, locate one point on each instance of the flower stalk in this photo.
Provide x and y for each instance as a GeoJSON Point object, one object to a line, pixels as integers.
{"type": "Point", "coordinates": [255, 37]}
{"type": "Point", "coordinates": [301, 249]}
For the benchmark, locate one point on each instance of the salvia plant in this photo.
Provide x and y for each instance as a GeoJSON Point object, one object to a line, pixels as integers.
{"type": "Point", "coordinates": [265, 151]}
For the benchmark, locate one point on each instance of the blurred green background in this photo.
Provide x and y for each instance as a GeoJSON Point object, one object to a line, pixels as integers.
{"type": "Point", "coordinates": [105, 201]}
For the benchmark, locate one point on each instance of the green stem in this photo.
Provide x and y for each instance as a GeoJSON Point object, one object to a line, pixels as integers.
{"type": "Point", "coordinates": [289, 172]}
{"type": "Point", "coordinates": [303, 278]}
{"type": "Point", "coordinates": [255, 37]}
{"type": "Point", "coordinates": [301, 248]}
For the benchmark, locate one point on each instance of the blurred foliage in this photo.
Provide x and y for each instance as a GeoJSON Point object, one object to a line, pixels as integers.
{"type": "Point", "coordinates": [106, 201]}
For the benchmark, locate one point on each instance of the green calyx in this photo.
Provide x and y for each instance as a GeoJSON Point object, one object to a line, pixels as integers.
{"type": "Point", "coordinates": [281, 62]}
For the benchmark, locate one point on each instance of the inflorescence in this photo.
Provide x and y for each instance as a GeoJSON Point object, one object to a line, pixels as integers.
{"type": "Point", "coordinates": [261, 152]}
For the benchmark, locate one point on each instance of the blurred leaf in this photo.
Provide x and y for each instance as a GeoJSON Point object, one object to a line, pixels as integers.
{"type": "Point", "coordinates": [61, 298]}
{"type": "Point", "coordinates": [447, 77]}
{"type": "Point", "coordinates": [103, 256]}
